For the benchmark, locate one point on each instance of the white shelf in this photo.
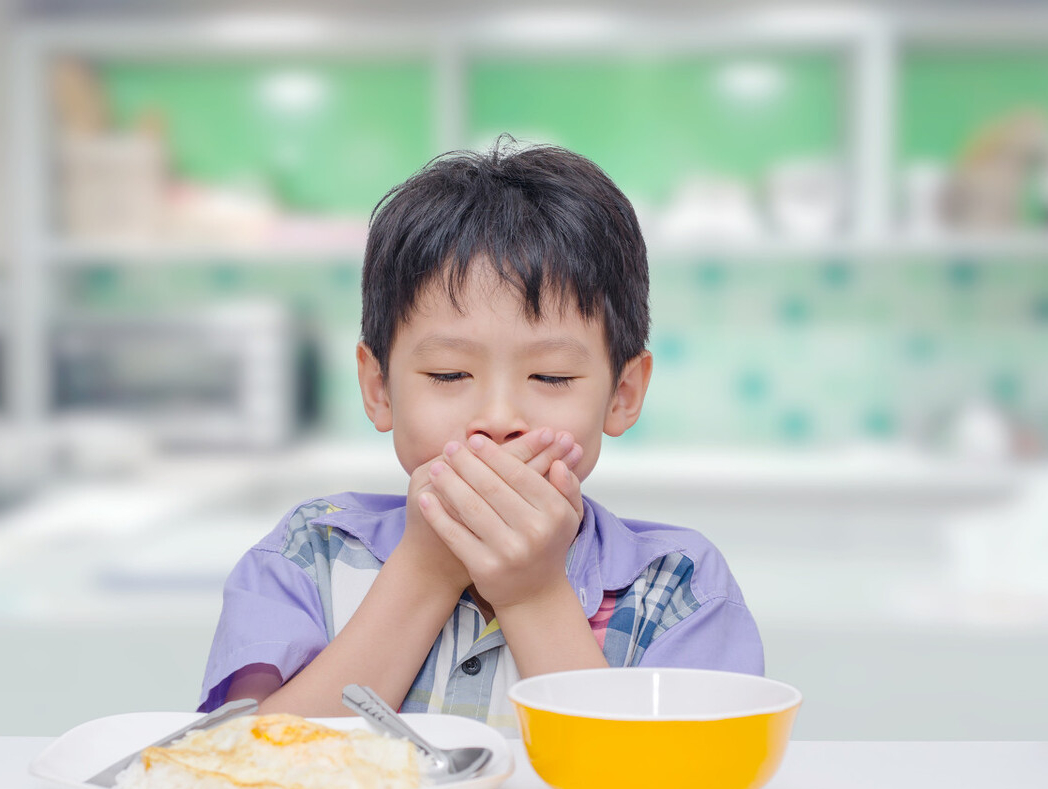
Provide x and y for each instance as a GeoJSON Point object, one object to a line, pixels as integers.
{"type": "Point", "coordinates": [1024, 245]}
{"type": "Point", "coordinates": [905, 473]}
{"type": "Point", "coordinates": [623, 468]}
{"type": "Point", "coordinates": [1010, 245]}
{"type": "Point", "coordinates": [73, 254]}
{"type": "Point", "coordinates": [314, 468]}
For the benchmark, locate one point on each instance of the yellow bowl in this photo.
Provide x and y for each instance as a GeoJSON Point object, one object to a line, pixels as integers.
{"type": "Point", "coordinates": [637, 727]}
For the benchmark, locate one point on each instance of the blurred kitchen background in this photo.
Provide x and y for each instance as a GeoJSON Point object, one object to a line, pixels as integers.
{"type": "Point", "coordinates": [847, 213]}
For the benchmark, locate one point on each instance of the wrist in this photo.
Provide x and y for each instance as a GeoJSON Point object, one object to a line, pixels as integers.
{"type": "Point", "coordinates": [549, 599]}
{"type": "Point", "coordinates": [549, 632]}
{"type": "Point", "coordinates": [414, 570]}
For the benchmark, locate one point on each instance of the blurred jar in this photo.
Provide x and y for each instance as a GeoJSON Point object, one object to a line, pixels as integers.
{"type": "Point", "coordinates": [806, 198]}
{"type": "Point", "coordinates": [924, 186]}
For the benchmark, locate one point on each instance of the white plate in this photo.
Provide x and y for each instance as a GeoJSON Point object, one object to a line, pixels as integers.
{"type": "Point", "coordinates": [84, 751]}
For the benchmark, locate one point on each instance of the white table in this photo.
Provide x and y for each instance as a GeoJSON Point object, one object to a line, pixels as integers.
{"type": "Point", "coordinates": [808, 765]}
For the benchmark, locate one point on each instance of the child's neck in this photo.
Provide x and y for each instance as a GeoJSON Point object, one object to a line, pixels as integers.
{"type": "Point", "coordinates": [485, 607]}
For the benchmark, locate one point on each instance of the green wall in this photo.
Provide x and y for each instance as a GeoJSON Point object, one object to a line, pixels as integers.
{"type": "Point", "coordinates": [322, 136]}
{"type": "Point", "coordinates": [648, 121]}
{"type": "Point", "coordinates": [947, 96]}
{"type": "Point", "coordinates": [764, 352]}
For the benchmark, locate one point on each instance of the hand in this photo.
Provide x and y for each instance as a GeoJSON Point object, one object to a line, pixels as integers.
{"type": "Point", "coordinates": [508, 524]}
{"type": "Point", "coordinates": [536, 450]}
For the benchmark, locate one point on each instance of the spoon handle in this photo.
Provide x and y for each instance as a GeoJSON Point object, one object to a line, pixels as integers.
{"type": "Point", "coordinates": [364, 701]}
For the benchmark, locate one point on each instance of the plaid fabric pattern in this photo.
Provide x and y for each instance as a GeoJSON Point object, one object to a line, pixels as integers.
{"type": "Point", "coordinates": [628, 620]}
{"type": "Point", "coordinates": [469, 669]}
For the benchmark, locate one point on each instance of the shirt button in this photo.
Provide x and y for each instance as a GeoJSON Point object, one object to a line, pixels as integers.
{"type": "Point", "coordinates": [471, 666]}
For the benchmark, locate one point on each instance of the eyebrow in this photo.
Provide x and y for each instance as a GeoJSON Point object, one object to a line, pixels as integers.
{"type": "Point", "coordinates": [443, 342]}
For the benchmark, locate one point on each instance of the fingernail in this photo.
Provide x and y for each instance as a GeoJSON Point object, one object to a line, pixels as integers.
{"type": "Point", "coordinates": [436, 469]}
{"type": "Point", "coordinates": [565, 440]}
{"type": "Point", "coordinates": [574, 456]}
{"type": "Point", "coordinates": [476, 442]}
{"type": "Point", "coordinates": [451, 448]}
{"type": "Point", "coordinates": [546, 435]}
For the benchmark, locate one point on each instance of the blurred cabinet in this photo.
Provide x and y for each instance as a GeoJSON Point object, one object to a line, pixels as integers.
{"type": "Point", "coordinates": [304, 133]}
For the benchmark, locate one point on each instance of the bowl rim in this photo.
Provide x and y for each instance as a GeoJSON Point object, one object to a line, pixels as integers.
{"type": "Point", "coordinates": [515, 692]}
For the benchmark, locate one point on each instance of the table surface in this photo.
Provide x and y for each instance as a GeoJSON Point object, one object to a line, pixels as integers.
{"type": "Point", "coordinates": [808, 765]}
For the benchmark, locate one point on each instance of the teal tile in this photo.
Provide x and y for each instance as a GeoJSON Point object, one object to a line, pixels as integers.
{"type": "Point", "coordinates": [1006, 387]}
{"type": "Point", "coordinates": [1039, 309]}
{"type": "Point", "coordinates": [670, 349]}
{"type": "Point", "coordinates": [796, 425]}
{"type": "Point", "coordinates": [345, 277]}
{"type": "Point", "coordinates": [101, 281]}
{"type": "Point", "coordinates": [711, 275]}
{"type": "Point", "coordinates": [879, 423]}
{"type": "Point", "coordinates": [794, 310]}
{"type": "Point", "coordinates": [963, 274]}
{"type": "Point", "coordinates": [227, 277]}
{"type": "Point", "coordinates": [752, 387]}
{"type": "Point", "coordinates": [837, 274]}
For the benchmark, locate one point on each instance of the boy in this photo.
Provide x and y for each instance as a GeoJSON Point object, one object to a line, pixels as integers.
{"type": "Point", "coordinates": [505, 319]}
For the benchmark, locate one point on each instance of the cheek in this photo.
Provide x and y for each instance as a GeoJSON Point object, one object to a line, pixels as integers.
{"type": "Point", "coordinates": [591, 445]}
{"type": "Point", "coordinates": [421, 429]}
{"type": "Point", "coordinates": [587, 430]}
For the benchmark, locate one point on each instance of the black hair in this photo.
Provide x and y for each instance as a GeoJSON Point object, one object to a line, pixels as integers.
{"type": "Point", "coordinates": [547, 220]}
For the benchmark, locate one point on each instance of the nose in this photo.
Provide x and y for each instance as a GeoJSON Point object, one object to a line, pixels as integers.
{"type": "Point", "coordinates": [498, 416]}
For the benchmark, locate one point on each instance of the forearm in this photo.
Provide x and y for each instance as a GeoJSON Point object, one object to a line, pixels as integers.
{"type": "Point", "coordinates": [383, 645]}
{"type": "Point", "coordinates": [550, 632]}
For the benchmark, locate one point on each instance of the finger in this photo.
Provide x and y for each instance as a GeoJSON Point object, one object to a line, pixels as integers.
{"type": "Point", "coordinates": [565, 481]}
{"type": "Point", "coordinates": [421, 481]}
{"type": "Point", "coordinates": [448, 507]}
{"type": "Point", "coordinates": [420, 476]}
{"type": "Point", "coordinates": [460, 540]}
{"type": "Point", "coordinates": [474, 493]}
{"type": "Point", "coordinates": [531, 444]}
{"type": "Point", "coordinates": [502, 479]}
{"type": "Point", "coordinates": [538, 448]}
{"type": "Point", "coordinates": [563, 448]}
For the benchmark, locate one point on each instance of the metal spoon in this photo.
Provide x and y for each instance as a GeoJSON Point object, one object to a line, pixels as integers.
{"type": "Point", "coordinates": [456, 764]}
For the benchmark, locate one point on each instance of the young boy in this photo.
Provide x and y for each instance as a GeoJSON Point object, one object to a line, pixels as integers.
{"type": "Point", "coordinates": [505, 319]}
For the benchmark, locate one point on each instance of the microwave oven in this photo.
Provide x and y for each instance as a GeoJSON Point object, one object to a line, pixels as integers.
{"type": "Point", "coordinates": [222, 377]}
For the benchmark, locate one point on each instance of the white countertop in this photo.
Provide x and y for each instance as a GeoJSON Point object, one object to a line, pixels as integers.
{"type": "Point", "coordinates": [849, 557]}
{"type": "Point", "coordinates": [154, 485]}
{"type": "Point", "coordinates": [808, 765]}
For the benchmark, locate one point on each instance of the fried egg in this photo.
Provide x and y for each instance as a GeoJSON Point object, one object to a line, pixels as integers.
{"type": "Point", "coordinates": [276, 752]}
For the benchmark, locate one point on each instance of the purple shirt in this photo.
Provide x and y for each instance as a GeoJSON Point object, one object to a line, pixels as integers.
{"type": "Point", "coordinates": [655, 595]}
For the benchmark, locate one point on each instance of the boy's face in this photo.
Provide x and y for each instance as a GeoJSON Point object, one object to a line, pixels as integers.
{"type": "Point", "coordinates": [487, 369]}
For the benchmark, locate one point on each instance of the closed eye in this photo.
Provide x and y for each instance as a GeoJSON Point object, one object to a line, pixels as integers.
{"type": "Point", "coordinates": [554, 380]}
{"type": "Point", "coordinates": [447, 378]}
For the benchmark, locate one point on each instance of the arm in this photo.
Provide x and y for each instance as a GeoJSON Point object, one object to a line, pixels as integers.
{"type": "Point", "coordinates": [512, 531]}
{"type": "Point", "coordinates": [550, 633]}
{"type": "Point", "coordinates": [271, 614]}
{"type": "Point", "coordinates": [414, 593]}
{"type": "Point", "coordinates": [383, 645]}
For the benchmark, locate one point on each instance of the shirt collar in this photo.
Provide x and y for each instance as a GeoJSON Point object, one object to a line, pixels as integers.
{"type": "Point", "coordinates": [376, 519]}
{"type": "Point", "coordinates": [608, 555]}
{"type": "Point", "coordinates": [605, 556]}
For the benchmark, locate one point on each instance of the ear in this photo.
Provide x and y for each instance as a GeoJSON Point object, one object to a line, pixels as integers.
{"type": "Point", "coordinates": [628, 397]}
{"type": "Point", "coordinates": [373, 389]}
